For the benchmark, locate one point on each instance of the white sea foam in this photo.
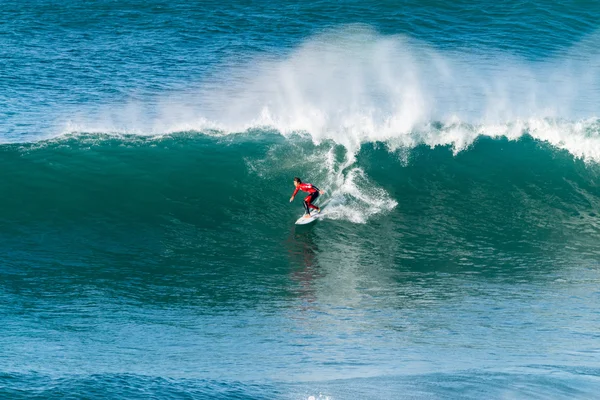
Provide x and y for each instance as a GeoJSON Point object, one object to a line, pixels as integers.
{"type": "Point", "coordinates": [356, 199]}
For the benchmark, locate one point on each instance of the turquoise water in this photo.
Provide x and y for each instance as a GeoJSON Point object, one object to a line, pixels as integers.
{"type": "Point", "coordinates": [147, 243]}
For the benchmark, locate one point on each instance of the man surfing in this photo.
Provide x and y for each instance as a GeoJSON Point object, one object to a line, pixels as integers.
{"type": "Point", "coordinates": [313, 193]}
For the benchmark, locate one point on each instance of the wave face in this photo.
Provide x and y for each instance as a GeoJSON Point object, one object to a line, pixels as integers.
{"type": "Point", "coordinates": [513, 186]}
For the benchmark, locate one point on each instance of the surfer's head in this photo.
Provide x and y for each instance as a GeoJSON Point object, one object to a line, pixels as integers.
{"type": "Point", "coordinates": [297, 181]}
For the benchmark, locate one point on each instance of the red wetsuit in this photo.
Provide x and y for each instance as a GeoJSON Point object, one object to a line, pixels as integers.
{"type": "Point", "coordinates": [313, 194]}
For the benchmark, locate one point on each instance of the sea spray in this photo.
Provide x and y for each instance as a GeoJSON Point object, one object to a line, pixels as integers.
{"type": "Point", "coordinates": [353, 85]}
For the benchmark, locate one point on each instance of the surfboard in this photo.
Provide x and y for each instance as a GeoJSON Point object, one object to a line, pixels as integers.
{"type": "Point", "coordinates": [304, 221]}
{"type": "Point", "coordinates": [313, 216]}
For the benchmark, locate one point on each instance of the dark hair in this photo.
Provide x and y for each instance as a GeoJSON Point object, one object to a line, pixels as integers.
{"type": "Point", "coordinates": [296, 179]}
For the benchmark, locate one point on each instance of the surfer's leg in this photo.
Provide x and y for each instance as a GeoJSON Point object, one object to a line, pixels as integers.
{"type": "Point", "coordinates": [306, 206]}
{"type": "Point", "coordinates": [312, 198]}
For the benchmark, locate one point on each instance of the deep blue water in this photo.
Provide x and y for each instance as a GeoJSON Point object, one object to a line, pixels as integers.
{"type": "Point", "coordinates": [148, 248]}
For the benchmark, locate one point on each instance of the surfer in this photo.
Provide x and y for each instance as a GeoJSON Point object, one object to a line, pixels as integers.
{"type": "Point", "coordinates": [313, 193]}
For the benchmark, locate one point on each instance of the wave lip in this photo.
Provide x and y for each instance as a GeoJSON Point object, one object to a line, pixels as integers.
{"type": "Point", "coordinates": [580, 138]}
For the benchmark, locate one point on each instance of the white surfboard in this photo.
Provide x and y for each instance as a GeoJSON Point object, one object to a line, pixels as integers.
{"type": "Point", "coordinates": [313, 215]}
{"type": "Point", "coordinates": [303, 220]}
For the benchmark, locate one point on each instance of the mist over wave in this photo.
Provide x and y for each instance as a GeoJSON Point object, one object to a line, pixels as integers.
{"type": "Point", "coordinates": [353, 86]}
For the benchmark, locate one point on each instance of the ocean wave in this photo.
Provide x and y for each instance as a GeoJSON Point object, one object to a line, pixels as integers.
{"type": "Point", "coordinates": [183, 174]}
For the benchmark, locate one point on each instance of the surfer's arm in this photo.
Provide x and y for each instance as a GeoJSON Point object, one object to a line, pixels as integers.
{"type": "Point", "coordinates": [294, 195]}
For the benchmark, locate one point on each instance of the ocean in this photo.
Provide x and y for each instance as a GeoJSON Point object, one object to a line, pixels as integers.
{"type": "Point", "coordinates": [147, 242]}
